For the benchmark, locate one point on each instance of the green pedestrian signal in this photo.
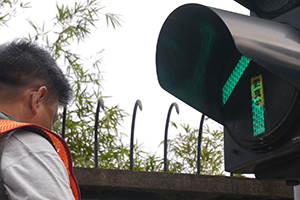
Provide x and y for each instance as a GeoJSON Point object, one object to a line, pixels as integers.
{"type": "Point", "coordinates": [235, 77]}
{"type": "Point", "coordinates": [243, 72]}
{"type": "Point", "coordinates": [258, 105]}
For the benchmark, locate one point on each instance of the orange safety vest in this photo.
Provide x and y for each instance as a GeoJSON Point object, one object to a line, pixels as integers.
{"type": "Point", "coordinates": [60, 145]}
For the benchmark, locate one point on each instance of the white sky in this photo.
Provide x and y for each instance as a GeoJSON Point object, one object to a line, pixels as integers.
{"type": "Point", "coordinates": [129, 62]}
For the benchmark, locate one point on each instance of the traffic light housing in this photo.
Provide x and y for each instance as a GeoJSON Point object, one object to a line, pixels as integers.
{"type": "Point", "coordinates": [270, 9]}
{"type": "Point", "coordinates": [242, 72]}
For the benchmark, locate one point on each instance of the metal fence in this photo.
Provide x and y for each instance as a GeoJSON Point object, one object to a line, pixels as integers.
{"type": "Point", "coordinates": [138, 104]}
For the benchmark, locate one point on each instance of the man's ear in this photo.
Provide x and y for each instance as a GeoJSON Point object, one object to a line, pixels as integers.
{"type": "Point", "coordinates": [37, 97]}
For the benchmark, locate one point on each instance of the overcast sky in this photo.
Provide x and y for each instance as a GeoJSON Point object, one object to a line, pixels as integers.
{"type": "Point", "coordinates": [129, 61]}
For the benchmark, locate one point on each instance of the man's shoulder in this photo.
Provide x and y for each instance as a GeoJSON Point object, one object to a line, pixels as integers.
{"type": "Point", "coordinates": [23, 143]}
{"type": "Point", "coordinates": [31, 159]}
{"type": "Point", "coordinates": [31, 140]}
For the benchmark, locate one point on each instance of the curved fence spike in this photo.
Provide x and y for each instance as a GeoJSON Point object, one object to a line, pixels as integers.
{"type": "Point", "coordinates": [63, 128]}
{"type": "Point", "coordinates": [199, 144]}
{"type": "Point", "coordinates": [166, 135]}
{"type": "Point", "coordinates": [138, 103]}
{"type": "Point", "coordinates": [99, 104]}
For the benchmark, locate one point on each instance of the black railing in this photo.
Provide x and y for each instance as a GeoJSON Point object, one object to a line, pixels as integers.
{"type": "Point", "coordinates": [139, 104]}
{"type": "Point", "coordinates": [63, 129]}
{"type": "Point", "coordinates": [99, 104]}
{"type": "Point", "coordinates": [166, 135]}
{"type": "Point", "coordinates": [199, 144]}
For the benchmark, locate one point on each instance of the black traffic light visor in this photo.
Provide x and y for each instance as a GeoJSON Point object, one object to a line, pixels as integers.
{"type": "Point", "coordinates": [199, 47]}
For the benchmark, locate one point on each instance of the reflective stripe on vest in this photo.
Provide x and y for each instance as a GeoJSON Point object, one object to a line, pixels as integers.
{"type": "Point", "coordinates": [59, 143]}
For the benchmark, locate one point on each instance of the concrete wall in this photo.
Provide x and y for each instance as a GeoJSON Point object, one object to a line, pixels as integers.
{"type": "Point", "coordinates": [133, 185]}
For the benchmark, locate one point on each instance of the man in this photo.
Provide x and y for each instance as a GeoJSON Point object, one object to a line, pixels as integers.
{"type": "Point", "coordinates": [31, 89]}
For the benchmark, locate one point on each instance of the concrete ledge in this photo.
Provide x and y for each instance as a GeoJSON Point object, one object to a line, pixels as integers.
{"type": "Point", "coordinates": [122, 184]}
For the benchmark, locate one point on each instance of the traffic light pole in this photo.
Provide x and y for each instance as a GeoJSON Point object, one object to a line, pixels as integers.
{"type": "Point", "coordinates": [296, 192]}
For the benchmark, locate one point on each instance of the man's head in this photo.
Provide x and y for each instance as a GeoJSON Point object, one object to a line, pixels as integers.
{"type": "Point", "coordinates": [29, 79]}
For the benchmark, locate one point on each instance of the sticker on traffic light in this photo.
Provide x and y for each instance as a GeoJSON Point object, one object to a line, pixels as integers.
{"type": "Point", "coordinates": [258, 105]}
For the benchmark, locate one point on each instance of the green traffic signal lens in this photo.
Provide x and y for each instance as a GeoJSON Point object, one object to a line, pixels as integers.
{"type": "Point", "coordinates": [234, 78]}
{"type": "Point", "coordinates": [258, 104]}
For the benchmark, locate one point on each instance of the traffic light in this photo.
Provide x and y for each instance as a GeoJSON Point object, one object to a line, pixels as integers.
{"type": "Point", "coordinates": [243, 72]}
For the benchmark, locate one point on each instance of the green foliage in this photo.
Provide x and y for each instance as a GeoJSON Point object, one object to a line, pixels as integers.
{"type": "Point", "coordinates": [9, 9]}
{"type": "Point", "coordinates": [74, 23]}
{"type": "Point", "coordinates": [153, 163]}
{"type": "Point", "coordinates": [212, 158]}
{"type": "Point", "coordinates": [182, 151]}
